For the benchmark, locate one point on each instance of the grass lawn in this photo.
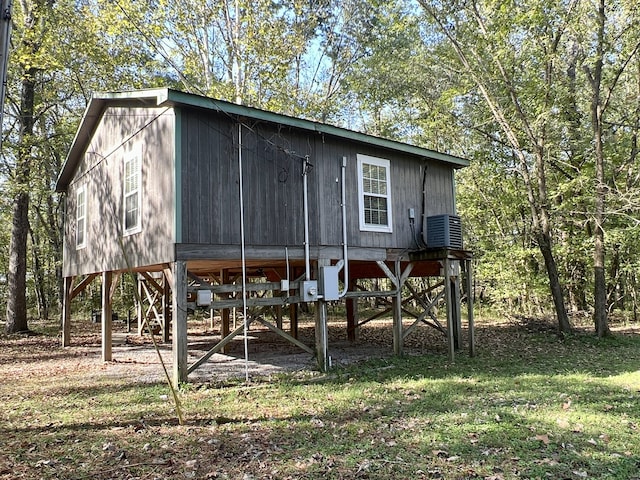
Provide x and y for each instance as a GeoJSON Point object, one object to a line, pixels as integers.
{"type": "Point", "coordinates": [529, 406]}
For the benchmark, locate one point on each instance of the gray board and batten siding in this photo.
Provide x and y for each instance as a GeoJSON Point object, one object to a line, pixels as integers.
{"type": "Point", "coordinates": [190, 204]}
{"type": "Point", "coordinates": [272, 157]}
{"type": "Point", "coordinates": [119, 132]}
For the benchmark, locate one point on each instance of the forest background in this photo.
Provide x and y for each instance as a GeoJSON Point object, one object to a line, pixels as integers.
{"type": "Point", "coordinates": [542, 97]}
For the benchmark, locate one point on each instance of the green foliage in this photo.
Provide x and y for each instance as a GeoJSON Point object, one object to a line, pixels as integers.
{"type": "Point", "coordinates": [384, 67]}
{"type": "Point", "coordinates": [528, 406]}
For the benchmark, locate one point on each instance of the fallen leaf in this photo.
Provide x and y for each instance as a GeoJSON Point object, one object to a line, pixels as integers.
{"type": "Point", "coordinates": [543, 438]}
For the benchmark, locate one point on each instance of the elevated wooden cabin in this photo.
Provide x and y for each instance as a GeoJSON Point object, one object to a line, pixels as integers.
{"type": "Point", "coordinates": [192, 193]}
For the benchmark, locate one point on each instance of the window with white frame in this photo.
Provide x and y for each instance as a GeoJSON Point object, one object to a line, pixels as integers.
{"type": "Point", "coordinates": [81, 217]}
{"type": "Point", "coordinates": [374, 194]}
{"type": "Point", "coordinates": [132, 192]}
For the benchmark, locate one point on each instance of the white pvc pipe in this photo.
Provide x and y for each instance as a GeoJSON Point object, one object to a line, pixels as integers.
{"type": "Point", "coordinates": [344, 228]}
{"type": "Point", "coordinates": [305, 200]}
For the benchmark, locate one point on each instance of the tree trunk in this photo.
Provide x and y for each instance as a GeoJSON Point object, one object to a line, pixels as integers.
{"type": "Point", "coordinates": [600, 283]}
{"type": "Point", "coordinates": [17, 277]}
{"type": "Point", "coordinates": [39, 277]}
{"type": "Point", "coordinates": [544, 243]}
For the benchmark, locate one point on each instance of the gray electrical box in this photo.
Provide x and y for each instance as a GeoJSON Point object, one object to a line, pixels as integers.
{"type": "Point", "coordinates": [309, 290]}
{"type": "Point", "coordinates": [204, 298]}
{"type": "Point", "coordinates": [329, 288]}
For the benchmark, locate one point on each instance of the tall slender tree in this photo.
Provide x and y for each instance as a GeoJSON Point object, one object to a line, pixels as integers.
{"type": "Point", "coordinates": [491, 49]}
{"type": "Point", "coordinates": [33, 28]}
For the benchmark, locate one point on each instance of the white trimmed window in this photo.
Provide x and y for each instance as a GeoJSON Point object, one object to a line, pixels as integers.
{"type": "Point", "coordinates": [132, 192]}
{"type": "Point", "coordinates": [374, 194]}
{"type": "Point", "coordinates": [81, 217]}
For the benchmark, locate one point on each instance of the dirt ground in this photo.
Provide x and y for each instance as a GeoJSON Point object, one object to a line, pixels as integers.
{"type": "Point", "coordinates": [268, 354]}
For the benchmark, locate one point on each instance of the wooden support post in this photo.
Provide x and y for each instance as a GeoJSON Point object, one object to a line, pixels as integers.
{"type": "Point", "coordinates": [107, 279]}
{"type": "Point", "coordinates": [457, 312]}
{"type": "Point", "coordinates": [322, 336]}
{"type": "Point", "coordinates": [322, 329]}
{"type": "Point", "coordinates": [166, 309]}
{"type": "Point", "coordinates": [139, 306]}
{"type": "Point", "coordinates": [278, 312]}
{"type": "Point", "coordinates": [472, 335]}
{"type": "Point", "coordinates": [447, 300]}
{"type": "Point", "coordinates": [293, 320]}
{"type": "Point", "coordinates": [352, 314]}
{"type": "Point", "coordinates": [179, 302]}
{"type": "Point", "coordinates": [396, 304]}
{"type": "Point", "coordinates": [66, 311]}
{"type": "Point", "coordinates": [225, 314]}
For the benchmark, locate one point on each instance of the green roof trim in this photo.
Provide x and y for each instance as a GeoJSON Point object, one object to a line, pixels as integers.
{"type": "Point", "coordinates": [169, 97]}
{"type": "Point", "coordinates": [174, 97]}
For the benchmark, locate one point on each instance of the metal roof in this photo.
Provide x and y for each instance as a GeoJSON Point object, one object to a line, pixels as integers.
{"type": "Point", "coordinates": [160, 97]}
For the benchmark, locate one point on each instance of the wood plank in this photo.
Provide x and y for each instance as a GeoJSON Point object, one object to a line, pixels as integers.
{"type": "Point", "coordinates": [396, 304]}
{"type": "Point", "coordinates": [470, 319]}
{"type": "Point", "coordinates": [107, 355]}
{"type": "Point", "coordinates": [179, 338]}
{"type": "Point", "coordinates": [448, 299]}
{"type": "Point", "coordinates": [218, 347]}
{"type": "Point", "coordinates": [82, 285]}
{"type": "Point", "coordinates": [67, 285]}
{"type": "Point", "coordinates": [285, 335]}
{"type": "Point", "coordinates": [152, 281]}
{"type": "Point", "coordinates": [255, 302]}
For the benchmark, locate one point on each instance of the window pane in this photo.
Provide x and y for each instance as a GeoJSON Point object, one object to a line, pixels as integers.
{"type": "Point", "coordinates": [80, 232]}
{"type": "Point", "coordinates": [131, 211]}
{"type": "Point", "coordinates": [374, 190]}
{"type": "Point", "coordinates": [375, 210]}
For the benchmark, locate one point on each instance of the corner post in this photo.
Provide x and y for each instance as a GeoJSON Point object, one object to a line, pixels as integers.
{"type": "Point", "coordinates": [396, 304]}
{"type": "Point", "coordinates": [225, 314]}
{"type": "Point", "coordinates": [457, 312]}
{"type": "Point", "coordinates": [472, 335]}
{"type": "Point", "coordinates": [352, 314]}
{"type": "Point", "coordinates": [139, 304]}
{"type": "Point", "coordinates": [166, 309]}
{"type": "Point", "coordinates": [448, 299]}
{"type": "Point", "coordinates": [179, 331]}
{"type": "Point", "coordinates": [107, 279]}
{"type": "Point", "coordinates": [322, 336]}
{"type": "Point", "coordinates": [322, 330]}
{"type": "Point", "coordinates": [66, 311]}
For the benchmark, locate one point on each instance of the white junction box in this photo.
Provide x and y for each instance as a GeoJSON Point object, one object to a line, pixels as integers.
{"type": "Point", "coordinates": [329, 287]}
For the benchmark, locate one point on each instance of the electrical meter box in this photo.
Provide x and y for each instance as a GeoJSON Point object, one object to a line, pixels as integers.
{"type": "Point", "coordinates": [309, 290]}
{"type": "Point", "coordinates": [444, 231]}
{"type": "Point", "coordinates": [329, 288]}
